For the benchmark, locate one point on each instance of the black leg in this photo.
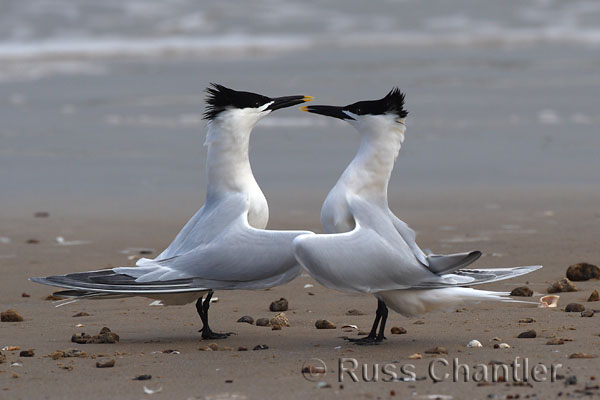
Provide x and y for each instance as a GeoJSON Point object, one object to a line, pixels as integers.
{"type": "Point", "coordinates": [384, 316]}
{"type": "Point", "coordinates": [373, 338]}
{"type": "Point", "coordinates": [202, 308]}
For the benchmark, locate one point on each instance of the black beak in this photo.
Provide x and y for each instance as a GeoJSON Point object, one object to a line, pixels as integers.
{"type": "Point", "coordinates": [288, 101]}
{"type": "Point", "coordinates": [329, 111]}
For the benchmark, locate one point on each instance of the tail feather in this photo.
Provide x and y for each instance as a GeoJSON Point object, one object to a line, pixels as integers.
{"type": "Point", "coordinates": [411, 302]}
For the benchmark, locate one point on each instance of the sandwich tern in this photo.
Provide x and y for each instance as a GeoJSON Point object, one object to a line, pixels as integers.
{"type": "Point", "coordinates": [224, 245]}
{"type": "Point", "coordinates": [366, 248]}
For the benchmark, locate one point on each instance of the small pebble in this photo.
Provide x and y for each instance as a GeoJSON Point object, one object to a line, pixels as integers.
{"type": "Point", "coordinates": [279, 305]}
{"type": "Point", "coordinates": [10, 316]}
{"type": "Point", "coordinates": [32, 241]}
{"type": "Point", "coordinates": [526, 321]}
{"type": "Point", "coordinates": [247, 319]}
{"type": "Point", "coordinates": [522, 291]}
{"type": "Point", "coordinates": [574, 307]}
{"type": "Point", "coordinates": [262, 322]}
{"type": "Point", "coordinates": [41, 214]}
{"type": "Point", "coordinates": [563, 285]}
{"type": "Point", "coordinates": [555, 341]}
{"type": "Point", "coordinates": [415, 356]}
{"type": "Point", "coordinates": [583, 272]}
{"type": "Point", "coordinates": [242, 348]}
{"type": "Point", "coordinates": [594, 296]}
{"type": "Point", "coordinates": [530, 334]}
{"type": "Point", "coordinates": [324, 324]}
{"type": "Point", "coordinates": [474, 343]}
{"type": "Point", "coordinates": [27, 353]}
{"type": "Point", "coordinates": [323, 385]}
{"type": "Point", "coordinates": [502, 346]}
{"type": "Point", "coordinates": [275, 327]}
{"type": "Point", "coordinates": [81, 314]}
{"type": "Point", "coordinates": [582, 355]}
{"type": "Point", "coordinates": [261, 347]}
{"type": "Point", "coordinates": [419, 322]}
{"type": "Point", "coordinates": [25, 294]}
{"type": "Point", "coordinates": [588, 313]}
{"type": "Point", "coordinates": [437, 350]}
{"type": "Point", "coordinates": [571, 380]}
{"type": "Point", "coordinates": [144, 377]}
{"type": "Point", "coordinates": [105, 364]}
{"type": "Point", "coordinates": [398, 330]}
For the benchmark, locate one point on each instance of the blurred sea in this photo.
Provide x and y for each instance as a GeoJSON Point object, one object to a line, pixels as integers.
{"type": "Point", "coordinates": [101, 102]}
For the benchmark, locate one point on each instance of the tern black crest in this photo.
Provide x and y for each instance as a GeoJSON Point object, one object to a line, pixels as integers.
{"type": "Point", "coordinates": [392, 103]}
{"type": "Point", "coordinates": [220, 98]}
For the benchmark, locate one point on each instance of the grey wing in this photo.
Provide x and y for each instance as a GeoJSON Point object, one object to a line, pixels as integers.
{"type": "Point", "coordinates": [437, 263]}
{"type": "Point", "coordinates": [359, 261]}
{"type": "Point", "coordinates": [448, 263]}
{"type": "Point", "coordinates": [410, 237]}
{"type": "Point", "coordinates": [242, 257]}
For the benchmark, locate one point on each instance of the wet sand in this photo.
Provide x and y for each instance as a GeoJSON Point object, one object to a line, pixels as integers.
{"type": "Point", "coordinates": [553, 226]}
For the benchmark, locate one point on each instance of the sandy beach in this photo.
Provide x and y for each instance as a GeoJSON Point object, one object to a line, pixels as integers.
{"type": "Point", "coordinates": [101, 128]}
{"type": "Point", "coordinates": [514, 228]}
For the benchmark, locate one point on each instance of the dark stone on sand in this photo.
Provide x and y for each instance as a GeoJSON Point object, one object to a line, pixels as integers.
{"type": "Point", "coordinates": [324, 324]}
{"type": "Point", "coordinates": [581, 355]}
{"type": "Point", "coordinates": [247, 319]}
{"type": "Point", "coordinates": [27, 353]}
{"type": "Point", "coordinates": [25, 294]}
{"type": "Point", "coordinates": [81, 338]}
{"type": "Point", "coordinates": [527, 320]}
{"type": "Point", "coordinates": [144, 377]}
{"type": "Point", "coordinates": [242, 348]}
{"type": "Point", "coordinates": [522, 291]}
{"type": "Point", "coordinates": [261, 347]}
{"type": "Point", "coordinates": [354, 312]}
{"type": "Point", "coordinates": [105, 364]}
{"type": "Point", "coordinates": [397, 330]}
{"type": "Point", "coordinates": [587, 313]}
{"type": "Point", "coordinates": [583, 272]}
{"type": "Point", "coordinates": [145, 252]}
{"type": "Point", "coordinates": [594, 296]}
{"type": "Point", "coordinates": [530, 334]}
{"type": "Point", "coordinates": [105, 336]}
{"type": "Point", "coordinates": [41, 214]}
{"type": "Point", "coordinates": [563, 285]}
{"type": "Point", "coordinates": [81, 314]}
{"type": "Point", "coordinates": [574, 307]}
{"type": "Point", "coordinates": [262, 322]}
{"type": "Point", "coordinates": [10, 315]}
{"type": "Point", "coordinates": [32, 241]}
{"type": "Point", "coordinates": [570, 380]}
{"type": "Point", "coordinates": [279, 305]}
{"type": "Point", "coordinates": [437, 350]}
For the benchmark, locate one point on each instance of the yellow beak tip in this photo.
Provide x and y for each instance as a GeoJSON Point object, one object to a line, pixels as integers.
{"type": "Point", "coordinates": [304, 108]}
{"type": "Point", "coordinates": [308, 98]}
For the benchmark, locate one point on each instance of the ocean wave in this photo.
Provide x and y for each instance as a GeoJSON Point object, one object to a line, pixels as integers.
{"type": "Point", "coordinates": [244, 45]}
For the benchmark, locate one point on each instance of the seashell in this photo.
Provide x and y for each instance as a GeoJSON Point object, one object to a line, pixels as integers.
{"type": "Point", "coordinates": [550, 301]}
{"type": "Point", "coordinates": [504, 346]}
{"type": "Point", "coordinates": [474, 343]}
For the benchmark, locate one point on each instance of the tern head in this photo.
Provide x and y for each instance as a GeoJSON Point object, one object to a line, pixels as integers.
{"type": "Point", "coordinates": [223, 102]}
{"type": "Point", "coordinates": [388, 112]}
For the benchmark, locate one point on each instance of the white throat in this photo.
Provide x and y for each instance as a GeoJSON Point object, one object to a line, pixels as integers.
{"type": "Point", "coordinates": [369, 172]}
{"type": "Point", "coordinates": [228, 164]}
